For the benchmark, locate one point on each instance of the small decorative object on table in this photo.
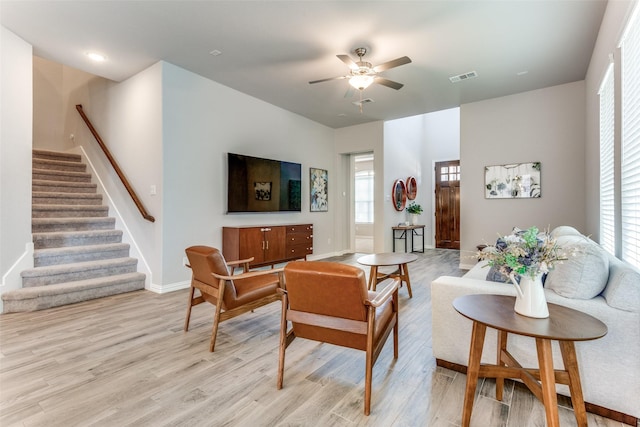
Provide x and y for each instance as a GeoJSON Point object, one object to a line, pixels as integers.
{"type": "Point", "coordinates": [414, 210]}
{"type": "Point", "coordinates": [525, 256]}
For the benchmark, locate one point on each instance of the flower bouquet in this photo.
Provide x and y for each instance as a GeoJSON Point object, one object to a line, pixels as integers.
{"type": "Point", "coordinates": [526, 255]}
{"type": "Point", "coordinates": [524, 252]}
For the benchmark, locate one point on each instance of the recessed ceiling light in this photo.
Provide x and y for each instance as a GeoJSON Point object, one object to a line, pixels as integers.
{"type": "Point", "coordinates": [98, 57]}
{"type": "Point", "coordinates": [215, 52]}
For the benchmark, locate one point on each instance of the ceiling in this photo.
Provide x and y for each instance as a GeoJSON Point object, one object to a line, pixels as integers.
{"type": "Point", "coordinates": [272, 49]}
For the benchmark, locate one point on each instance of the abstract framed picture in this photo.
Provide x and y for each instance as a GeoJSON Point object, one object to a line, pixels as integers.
{"type": "Point", "coordinates": [319, 190]}
{"type": "Point", "coordinates": [512, 181]}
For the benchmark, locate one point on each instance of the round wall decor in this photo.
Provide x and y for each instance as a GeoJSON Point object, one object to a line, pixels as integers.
{"type": "Point", "coordinates": [399, 195]}
{"type": "Point", "coordinates": [412, 188]}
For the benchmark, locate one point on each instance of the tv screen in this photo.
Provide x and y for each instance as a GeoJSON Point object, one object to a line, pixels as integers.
{"type": "Point", "coordinates": [263, 185]}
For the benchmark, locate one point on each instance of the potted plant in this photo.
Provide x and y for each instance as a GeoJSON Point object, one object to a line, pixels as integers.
{"type": "Point", "coordinates": [414, 210]}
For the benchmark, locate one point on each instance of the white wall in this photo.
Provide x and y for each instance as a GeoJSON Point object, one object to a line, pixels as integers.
{"type": "Point", "coordinates": [203, 121]}
{"type": "Point", "coordinates": [368, 137]}
{"type": "Point", "coordinates": [404, 144]}
{"type": "Point", "coordinates": [128, 117]}
{"type": "Point", "coordinates": [412, 145]}
{"type": "Point", "coordinates": [611, 29]}
{"type": "Point", "coordinates": [442, 143]}
{"type": "Point", "coordinates": [547, 126]}
{"type": "Point", "coordinates": [16, 247]}
{"type": "Point", "coordinates": [56, 91]}
{"type": "Point", "coordinates": [171, 129]}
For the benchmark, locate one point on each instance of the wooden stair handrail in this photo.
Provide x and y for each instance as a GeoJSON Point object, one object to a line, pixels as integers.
{"type": "Point", "coordinates": [113, 162]}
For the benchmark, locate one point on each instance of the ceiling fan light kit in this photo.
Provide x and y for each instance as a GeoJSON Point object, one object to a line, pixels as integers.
{"type": "Point", "coordinates": [363, 74]}
{"type": "Point", "coordinates": [361, 82]}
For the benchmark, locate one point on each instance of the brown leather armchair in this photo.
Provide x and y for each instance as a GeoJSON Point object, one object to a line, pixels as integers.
{"type": "Point", "coordinates": [231, 294]}
{"type": "Point", "coordinates": [329, 302]}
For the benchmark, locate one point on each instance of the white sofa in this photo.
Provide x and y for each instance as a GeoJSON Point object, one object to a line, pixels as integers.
{"type": "Point", "coordinates": [609, 366]}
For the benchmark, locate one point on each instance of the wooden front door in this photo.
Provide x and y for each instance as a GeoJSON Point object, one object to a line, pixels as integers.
{"type": "Point", "coordinates": [448, 204]}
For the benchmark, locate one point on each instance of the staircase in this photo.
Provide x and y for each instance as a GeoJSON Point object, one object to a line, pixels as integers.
{"type": "Point", "coordinates": [78, 253]}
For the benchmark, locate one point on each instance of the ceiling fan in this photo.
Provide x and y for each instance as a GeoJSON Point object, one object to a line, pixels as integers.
{"type": "Point", "coordinates": [363, 74]}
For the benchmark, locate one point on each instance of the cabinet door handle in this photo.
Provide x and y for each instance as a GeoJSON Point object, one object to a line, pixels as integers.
{"type": "Point", "coordinates": [267, 245]}
{"type": "Point", "coordinates": [263, 245]}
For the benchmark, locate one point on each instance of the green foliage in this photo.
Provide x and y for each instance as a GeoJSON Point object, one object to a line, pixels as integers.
{"type": "Point", "coordinates": [414, 208]}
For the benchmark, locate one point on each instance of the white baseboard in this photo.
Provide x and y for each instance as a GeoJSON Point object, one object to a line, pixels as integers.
{"type": "Point", "coordinates": [12, 279]}
{"type": "Point", "coordinates": [171, 287]}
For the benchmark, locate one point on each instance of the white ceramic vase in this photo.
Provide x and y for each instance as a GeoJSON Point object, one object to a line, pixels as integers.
{"type": "Point", "coordinates": [414, 219]}
{"type": "Point", "coordinates": [530, 299]}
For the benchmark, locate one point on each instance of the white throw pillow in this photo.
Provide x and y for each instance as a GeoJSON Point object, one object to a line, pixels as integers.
{"type": "Point", "coordinates": [583, 276]}
{"type": "Point", "coordinates": [564, 230]}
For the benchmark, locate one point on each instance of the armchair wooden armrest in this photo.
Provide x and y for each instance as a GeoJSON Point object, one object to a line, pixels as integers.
{"type": "Point", "coordinates": [386, 293]}
{"type": "Point", "coordinates": [249, 274]}
{"type": "Point", "coordinates": [243, 263]}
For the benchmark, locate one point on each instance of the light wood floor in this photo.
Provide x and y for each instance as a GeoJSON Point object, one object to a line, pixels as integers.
{"type": "Point", "coordinates": [125, 360]}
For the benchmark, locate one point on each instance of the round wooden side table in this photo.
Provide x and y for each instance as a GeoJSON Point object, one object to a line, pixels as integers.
{"type": "Point", "coordinates": [386, 259]}
{"type": "Point", "coordinates": [564, 325]}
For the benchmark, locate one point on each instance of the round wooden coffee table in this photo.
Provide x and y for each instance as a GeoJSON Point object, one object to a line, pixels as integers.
{"type": "Point", "coordinates": [387, 259]}
{"type": "Point", "coordinates": [564, 325]}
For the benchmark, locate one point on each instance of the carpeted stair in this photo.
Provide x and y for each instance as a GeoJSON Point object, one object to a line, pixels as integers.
{"type": "Point", "coordinates": [78, 253]}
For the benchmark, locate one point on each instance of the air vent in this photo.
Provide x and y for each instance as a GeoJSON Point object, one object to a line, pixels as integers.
{"type": "Point", "coordinates": [465, 76]}
{"type": "Point", "coordinates": [363, 101]}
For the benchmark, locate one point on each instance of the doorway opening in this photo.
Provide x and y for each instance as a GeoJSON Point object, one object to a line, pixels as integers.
{"type": "Point", "coordinates": [363, 196]}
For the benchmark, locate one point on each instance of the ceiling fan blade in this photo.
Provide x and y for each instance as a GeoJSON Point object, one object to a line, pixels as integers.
{"type": "Point", "coordinates": [326, 80]}
{"type": "Point", "coordinates": [389, 83]}
{"type": "Point", "coordinates": [347, 60]}
{"type": "Point", "coordinates": [391, 64]}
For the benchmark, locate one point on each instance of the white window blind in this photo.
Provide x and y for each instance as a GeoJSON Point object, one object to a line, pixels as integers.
{"type": "Point", "coordinates": [607, 207]}
{"type": "Point", "coordinates": [364, 197]}
{"type": "Point", "coordinates": [630, 162]}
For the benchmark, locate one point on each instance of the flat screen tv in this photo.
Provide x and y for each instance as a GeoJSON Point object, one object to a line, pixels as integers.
{"type": "Point", "coordinates": [263, 185]}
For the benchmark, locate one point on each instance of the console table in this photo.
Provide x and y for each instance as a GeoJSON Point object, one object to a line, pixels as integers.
{"type": "Point", "coordinates": [564, 325]}
{"type": "Point", "coordinates": [401, 232]}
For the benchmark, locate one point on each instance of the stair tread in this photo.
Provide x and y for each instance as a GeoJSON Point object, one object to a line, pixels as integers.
{"type": "Point", "coordinates": [58, 161]}
{"type": "Point", "coordinates": [60, 288]}
{"type": "Point", "coordinates": [79, 249]}
{"type": "Point", "coordinates": [53, 207]}
{"type": "Point", "coordinates": [59, 172]}
{"type": "Point", "coordinates": [71, 220]}
{"type": "Point", "coordinates": [62, 194]}
{"type": "Point", "coordinates": [78, 233]}
{"type": "Point", "coordinates": [72, 157]}
{"type": "Point", "coordinates": [76, 266]}
{"type": "Point", "coordinates": [63, 183]}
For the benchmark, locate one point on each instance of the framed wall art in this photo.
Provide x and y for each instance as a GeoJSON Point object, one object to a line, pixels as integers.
{"type": "Point", "coordinates": [319, 191]}
{"type": "Point", "coordinates": [512, 181]}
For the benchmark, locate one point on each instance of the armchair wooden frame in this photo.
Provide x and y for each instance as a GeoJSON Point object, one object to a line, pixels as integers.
{"type": "Point", "coordinates": [374, 344]}
{"type": "Point", "coordinates": [215, 293]}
